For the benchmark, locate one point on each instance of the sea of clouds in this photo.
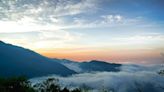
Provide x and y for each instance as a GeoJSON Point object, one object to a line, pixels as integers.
{"type": "Point", "coordinates": [131, 78]}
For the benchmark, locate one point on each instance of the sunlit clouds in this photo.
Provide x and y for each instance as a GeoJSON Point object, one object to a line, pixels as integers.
{"type": "Point", "coordinates": [86, 29]}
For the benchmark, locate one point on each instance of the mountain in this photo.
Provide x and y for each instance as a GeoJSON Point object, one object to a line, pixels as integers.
{"type": "Point", "coordinates": [15, 61]}
{"type": "Point", "coordinates": [96, 65]}
{"type": "Point", "coordinates": [92, 66]}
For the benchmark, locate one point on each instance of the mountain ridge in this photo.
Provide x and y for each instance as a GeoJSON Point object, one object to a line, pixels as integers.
{"type": "Point", "coordinates": [90, 66]}
{"type": "Point", "coordinates": [15, 61]}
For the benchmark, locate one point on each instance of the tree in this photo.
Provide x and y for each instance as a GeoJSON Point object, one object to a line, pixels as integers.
{"type": "Point", "coordinates": [84, 88]}
{"type": "Point", "coordinates": [76, 90]}
{"type": "Point", "coordinates": [15, 84]}
{"type": "Point", "coordinates": [21, 84]}
{"type": "Point", "coordinates": [49, 85]}
{"type": "Point", "coordinates": [52, 85]}
{"type": "Point", "coordinates": [65, 90]}
{"type": "Point", "coordinates": [161, 72]}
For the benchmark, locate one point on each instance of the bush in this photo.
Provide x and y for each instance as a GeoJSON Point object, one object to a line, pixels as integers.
{"type": "Point", "coordinates": [21, 84]}
{"type": "Point", "coordinates": [15, 84]}
{"type": "Point", "coordinates": [49, 85]}
{"type": "Point", "coordinates": [52, 85]}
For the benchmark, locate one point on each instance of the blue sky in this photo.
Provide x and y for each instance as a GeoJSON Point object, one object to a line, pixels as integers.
{"type": "Point", "coordinates": [86, 29]}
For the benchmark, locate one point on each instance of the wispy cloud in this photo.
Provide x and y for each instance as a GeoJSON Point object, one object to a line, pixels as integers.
{"type": "Point", "coordinates": [43, 9]}
{"type": "Point", "coordinates": [81, 23]}
{"type": "Point", "coordinates": [44, 17]}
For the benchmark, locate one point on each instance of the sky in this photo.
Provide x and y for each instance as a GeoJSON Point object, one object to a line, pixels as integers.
{"type": "Point", "coordinates": [120, 31]}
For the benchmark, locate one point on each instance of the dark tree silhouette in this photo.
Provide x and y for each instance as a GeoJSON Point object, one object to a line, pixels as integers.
{"type": "Point", "coordinates": [65, 90]}
{"type": "Point", "coordinates": [50, 85]}
{"type": "Point", "coordinates": [76, 90]}
{"type": "Point", "coordinates": [16, 84]}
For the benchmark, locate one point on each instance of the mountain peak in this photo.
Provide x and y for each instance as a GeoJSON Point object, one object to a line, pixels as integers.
{"type": "Point", "coordinates": [97, 61]}
{"type": "Point", "coordinates": [17, 61]}
{"type": "Point", "coordinates": [1, 42]}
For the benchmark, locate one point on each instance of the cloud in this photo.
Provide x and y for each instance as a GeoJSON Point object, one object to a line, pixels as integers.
{"type": "Point", "coordinates": [40, 39]}
{"type": "Point", "coordinates": [73, 66]}
{"type": "Point", "coordinates": [43, 10]}
{"type": "Point", "coordinates": [45, 17]}
{"type": "Point", "coordinates": [86, 23]}
{"type": "Point", "coordinates": [144, 78]}
{"type": "Point", "coordinates": [110, 21]}
{"type": "Point", "coordinates": [143, 39]}
{"type": "Point", "coordinates": [112, 18]}
{"type": "Point", "coordinates": [32, 15]}
{"type": "Point", "coordinates": [54, 23]}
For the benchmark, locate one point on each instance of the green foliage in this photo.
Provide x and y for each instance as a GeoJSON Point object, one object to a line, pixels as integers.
{"type": "Point", "coordinates": [15, 84]}
{"type": "Point", "coordinates": [52, 85]}
{"type": "Point", "coordinates": [76, 90]}
{"type": "Point", "coordinates": [65, 90]}
{"type": "Point", "coordinates": [161, 72]}
{"type": "Point", "coordinates": [21, 84]}
{"type": "Point", "coordinates": [85, 88]}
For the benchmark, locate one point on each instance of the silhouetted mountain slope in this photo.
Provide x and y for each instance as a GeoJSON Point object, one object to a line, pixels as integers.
{"type": "Point", "coordinates": [96, 65]}
{"type": "Point", "coordinates": [91, 66]}
{"type": "Point", "coordinates": [16, 61]}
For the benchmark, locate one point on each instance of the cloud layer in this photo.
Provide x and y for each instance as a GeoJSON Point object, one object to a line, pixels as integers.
{"type": "Point", "coordinates": [131, 79]}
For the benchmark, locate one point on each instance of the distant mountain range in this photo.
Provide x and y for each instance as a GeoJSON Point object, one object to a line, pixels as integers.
{"type": "Point", "coordinates": [91, 66]}
{"type": "Point", "coordinates": [15, 61]}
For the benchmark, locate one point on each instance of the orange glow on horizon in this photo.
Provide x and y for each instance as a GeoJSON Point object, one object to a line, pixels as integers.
{"type": "Point", "coordinates": [105, 55]}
